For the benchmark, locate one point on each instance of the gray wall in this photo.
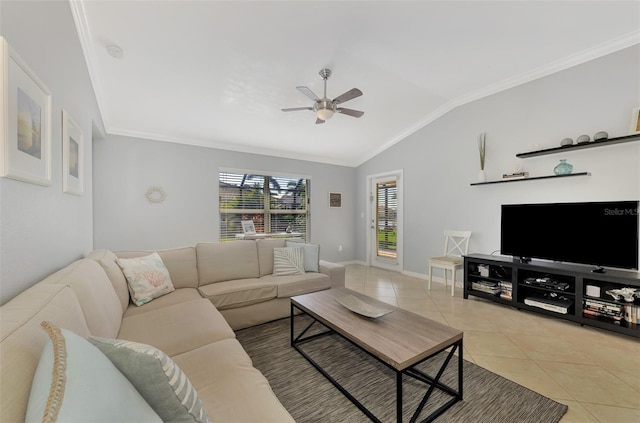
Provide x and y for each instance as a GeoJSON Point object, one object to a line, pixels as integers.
{"type": "Point", "coordinates": [441, 159]}
{"type": "Point", "coordinates": [43, 229]}
{"type": "Point", "coordinates": [125, 168]}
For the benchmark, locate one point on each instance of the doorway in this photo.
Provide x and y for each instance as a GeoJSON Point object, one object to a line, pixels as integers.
{"type": "Point", "coordinates": [385, 221]}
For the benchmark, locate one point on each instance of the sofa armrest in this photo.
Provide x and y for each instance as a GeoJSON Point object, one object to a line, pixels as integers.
{"type": "Point", "coordinates": [335, 271]}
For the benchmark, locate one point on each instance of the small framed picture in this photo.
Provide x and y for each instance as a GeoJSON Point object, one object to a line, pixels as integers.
{"type": "Point", "coordinates": [72, 155]}
{"type": "Point", "coordinates": [25, 121]}
{"type": "Point", "coordinates": [335, 200]}
{"type": "Point", "coordinates": [248, 227]}
{"type": "Point", "coordinates": [634, 128]}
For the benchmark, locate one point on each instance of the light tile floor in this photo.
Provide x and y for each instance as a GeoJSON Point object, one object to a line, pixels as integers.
{"type": "Point", "coordinates": [595, 372]}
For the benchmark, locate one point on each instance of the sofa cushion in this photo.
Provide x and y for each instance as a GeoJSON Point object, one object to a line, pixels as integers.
{"type": "Point", "coordinates": [311, 255]}
{"type": "Point", "coordinates": [107, 260]}
{"type": "Point", "coordinates": [22, 340]}
{"type": "Point", "coordinates": [98, 299]}
{"type": "Point", "coordinates": [157, 378]}
{"type": "Point", "coordinates": [178, 296]}
{"type": "Point", "coordinates": [265, 253]}
{"type": "Point", "coordinates": [257, 314]}
{"type": "Point", "coordinates": [226, 261]}
{"type": "Point", "coordinates": [290, 286]}
{"type": "Point", "coordinates": [147, 277]}
{"type": "Point", "coordinates": [288, 261]}
{"type": "Point", "coordinates": [177, 328]}
{"type": "Point", "coordinates": [181, 263]}
{"type": "Point", "coordinates": [222, 381]}
{"type": "Point", "coordinates": [75, 382]}
{"type": "Point", "coordinates": [238, 293]}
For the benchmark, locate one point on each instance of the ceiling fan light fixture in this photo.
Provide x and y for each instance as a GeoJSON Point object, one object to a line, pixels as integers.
{"type": "Point", "coordinates": [324, 114]}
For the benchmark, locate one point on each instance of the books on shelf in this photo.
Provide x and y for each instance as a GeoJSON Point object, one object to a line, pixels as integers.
{"type": "Point", "coordinates": [489, 287]}
{"type": "Point", "coordinates": [516, 175]}
{"type": "Point", "coordinates": [506, 290]}
{"type": "Point", "coordinates": [616, 312]}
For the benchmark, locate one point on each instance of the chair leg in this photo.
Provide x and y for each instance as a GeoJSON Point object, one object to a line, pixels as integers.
{"type": "Point", "coordinates": [445, 271]}
{"type": "Point", "coordinates": [453, 282]}
{"type": "Point", "coordinates": [430, 275]}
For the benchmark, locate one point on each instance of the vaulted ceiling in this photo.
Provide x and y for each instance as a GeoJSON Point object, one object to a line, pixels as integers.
{"type": "Point", "coordinates": [218, 73]}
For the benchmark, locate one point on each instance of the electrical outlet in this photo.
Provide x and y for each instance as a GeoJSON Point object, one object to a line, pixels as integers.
{"type": "Point", "coordinates": [339, 247]}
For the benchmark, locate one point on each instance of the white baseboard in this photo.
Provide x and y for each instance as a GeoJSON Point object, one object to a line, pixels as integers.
{"type": "Point", "coordinates": [425, 277]}
{"type": "Point", "coordinates": [416, 275]}
{"type": "Point", "coordinates": [346, 263]}
{"type": "Point", "coordinates": [436, 279]}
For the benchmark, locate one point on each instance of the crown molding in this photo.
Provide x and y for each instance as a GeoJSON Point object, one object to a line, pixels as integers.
{"type": "Point", "coordinates": [86, 41]}
{"type": "Point", "coordinates": [230, 147]}
{"type": "Point", "coordinates": [579, 58]}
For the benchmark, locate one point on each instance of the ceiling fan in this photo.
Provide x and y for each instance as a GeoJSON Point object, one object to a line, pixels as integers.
{"type": "Point", "coordinates": [323, 107]}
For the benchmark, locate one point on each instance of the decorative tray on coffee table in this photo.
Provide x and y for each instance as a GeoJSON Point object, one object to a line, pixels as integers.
{"type": "Point", "coordinates": [365, 309]}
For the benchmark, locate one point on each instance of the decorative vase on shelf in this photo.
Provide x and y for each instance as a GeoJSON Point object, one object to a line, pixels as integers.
{"type": "Point", "coordinates": [482, 176]}
{"type": "Point", "coordinates": [563, 168]}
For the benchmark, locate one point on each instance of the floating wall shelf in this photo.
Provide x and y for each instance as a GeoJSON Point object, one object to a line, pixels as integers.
{"type": "Point", "coordinates": [503, 181]}
{"type": "Point", "coordinates": [599, 143]}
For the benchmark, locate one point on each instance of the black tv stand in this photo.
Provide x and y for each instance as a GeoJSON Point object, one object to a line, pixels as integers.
{"type": "Point", "coordinates": [563, 295]}
{"type": "Point", "coordinates": [599, 270]}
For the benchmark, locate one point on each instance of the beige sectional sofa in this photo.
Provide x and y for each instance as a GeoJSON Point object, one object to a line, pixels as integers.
{"type": "Point", "coordinates": [219, 287]}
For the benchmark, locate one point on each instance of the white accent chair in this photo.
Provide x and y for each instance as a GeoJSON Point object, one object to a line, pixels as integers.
{"type": "Point", "coordinates": [456, 245]}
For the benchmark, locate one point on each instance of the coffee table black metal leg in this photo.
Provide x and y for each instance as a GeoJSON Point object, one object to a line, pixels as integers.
{"type": "Point", "coordinates": [460, 367]}
{"type": "Point", "coordinates": [291, 325]}
{"type": "Point", "coordinates": [398, 397]}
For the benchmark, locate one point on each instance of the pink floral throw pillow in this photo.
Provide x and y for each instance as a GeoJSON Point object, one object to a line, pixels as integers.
{"type": "Point", "coordinates": [147, 278]}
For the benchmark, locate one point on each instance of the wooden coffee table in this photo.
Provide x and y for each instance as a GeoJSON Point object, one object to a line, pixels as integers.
{"type": "Point", "coordinates": [401, 340]}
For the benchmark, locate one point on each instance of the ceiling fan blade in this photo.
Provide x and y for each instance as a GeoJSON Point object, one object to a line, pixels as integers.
{"type": "Point", "coordinates": [307, 91]}
{"type": "Point", "coordinates": [351, 94]}
{"type": "Point", "coordinates": [350, 112]}
{"type": "Point", "coordinates": [318, 120]}
{"type": "Point", "coordinates": [295, 109]}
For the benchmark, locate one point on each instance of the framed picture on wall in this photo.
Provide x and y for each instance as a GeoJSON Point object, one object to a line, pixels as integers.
{"type": "Point", "coordinates": [634, 128]}
{"type": "Point", "coordinates": [25, 111]}
{"type": "Point", "coordinates": [72, 155]}
{"type": "Point", "coordinates": [335, 200]}
{"type": "Point", "coordinates": [248, 227]}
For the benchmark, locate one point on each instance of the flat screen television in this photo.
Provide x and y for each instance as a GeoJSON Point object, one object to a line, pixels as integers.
{"type": "Point", "coordinates": [602, 234]}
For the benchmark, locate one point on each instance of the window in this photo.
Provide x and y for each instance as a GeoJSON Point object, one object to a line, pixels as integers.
{"type": "Point", "coordinates": [273, 203]}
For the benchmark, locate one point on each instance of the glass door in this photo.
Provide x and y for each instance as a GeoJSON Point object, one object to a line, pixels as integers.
{"type": "Point", "coordinates": [385, 228]}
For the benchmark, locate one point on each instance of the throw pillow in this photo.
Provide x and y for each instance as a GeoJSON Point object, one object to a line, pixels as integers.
{"type": "Point", "coordinates": [311, 255]}
{"type": "Point", "coordinates": [288, 261]}
{"type": "Point", "coordinates": [147, 278]}
{"type": "Point", "coordinates": [157, 377]}
{"type": "Point", "coordinates": [75, 382]}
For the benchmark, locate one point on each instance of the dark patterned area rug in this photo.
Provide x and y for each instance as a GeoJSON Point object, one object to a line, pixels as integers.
{"type": "Point", "coordinates": [309, 397]}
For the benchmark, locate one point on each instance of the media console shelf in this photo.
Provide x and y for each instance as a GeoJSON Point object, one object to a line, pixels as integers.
{"type": "Point", "coordinates": [566, 291]}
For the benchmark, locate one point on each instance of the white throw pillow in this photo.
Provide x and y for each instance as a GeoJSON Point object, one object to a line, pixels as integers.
{"type": "Point", "coordinates": [75, 382]}
{"type": "Point", "coordinates": [311, 255]}
{"type": "Point", "coordinates": [147, 278]}
{"type": "Point", "coordinates": [288, 261]}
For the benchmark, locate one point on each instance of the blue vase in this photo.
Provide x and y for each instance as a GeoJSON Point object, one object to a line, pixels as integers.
{"type": "Point", "coordinates": [563, 168]}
